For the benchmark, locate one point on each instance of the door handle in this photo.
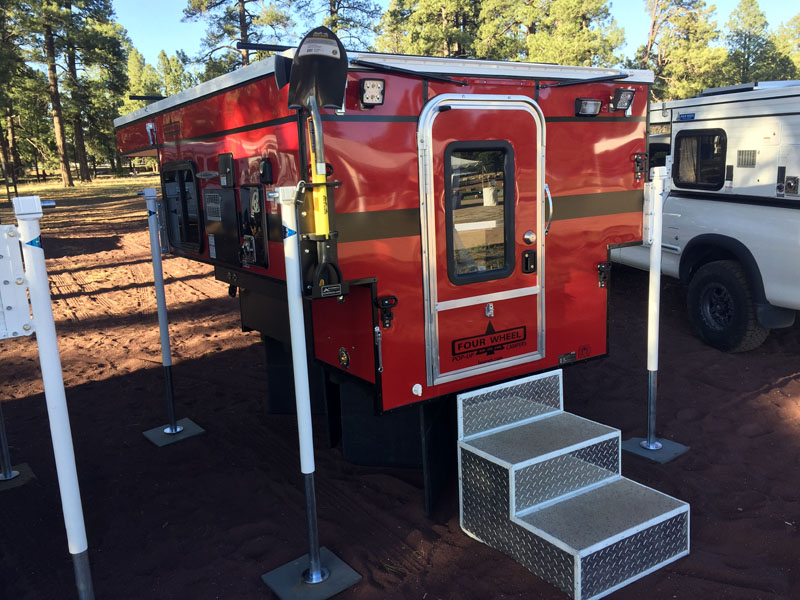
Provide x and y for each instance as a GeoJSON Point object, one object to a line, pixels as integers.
{"type": "Point", "coordinates": [550, 206]}
{"type": "Point", "coordinates": [529, 261]}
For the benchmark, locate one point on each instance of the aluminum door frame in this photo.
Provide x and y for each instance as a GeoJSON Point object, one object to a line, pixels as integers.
{"type": "Point", "coordinates": [428, 233]}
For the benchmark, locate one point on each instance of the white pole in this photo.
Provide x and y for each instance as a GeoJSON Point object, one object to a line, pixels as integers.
{"type": "Point", "coordinates": [28, 210]}
{"type": "Point", "coordinates": [657, 189]}
{"type": "Point", "coordinates": [294, 294]}
{"type": "Point", "coordinates": [316, 573]}
{"type": "Point", "coordinates": [161, 304]}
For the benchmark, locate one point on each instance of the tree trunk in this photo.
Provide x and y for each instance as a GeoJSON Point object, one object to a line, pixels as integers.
{"type": "Point", "coordinates": [446, 45]}
{"type": "Point", "coordinates": [243, 33]}
{"type": "Point", "coordinates": [77, 122]}
{"type": "Point", "coordinates": [118, 165]}
{"type": "Point", "coordinates": [13, 150]}
{"type": "Point", "coordinates": [4, 160]}
{"type": "Point", "coordinates": [55, 102]}
{"type": "Point", "coordinates": [6, 165]}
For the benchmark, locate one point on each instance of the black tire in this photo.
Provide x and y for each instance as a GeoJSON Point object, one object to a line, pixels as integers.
{"type": "Point", "coordinates": [721, 307]}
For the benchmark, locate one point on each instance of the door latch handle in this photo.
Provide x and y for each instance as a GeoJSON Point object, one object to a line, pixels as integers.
{"type": "Point", "coordinates": [550, 206]}
{"type": "Point", "coordinates": [529, 261]}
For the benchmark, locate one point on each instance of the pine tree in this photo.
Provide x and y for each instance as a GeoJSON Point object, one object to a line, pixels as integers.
{"type": "Point", "coordinates": [572, 32]}
{"type": "Point", "coordinates": [752, 54]}
{"type": "Point", "coordinates": [90, 39]}
{"type": "Point", "coordinates": [143, 80]}
{"type": "Point", "coordinates": [11, 64]}
{"type": "Point", "coordinates": [680, 48]}
{"type": "Point", "coordinates": [787, 40]}
{"type": "Point", "coordinates": [231, 21]}
{"type": "Point", "coordinates": [432, 27]}
{"type": "Point", "coordinates": [174, 77]}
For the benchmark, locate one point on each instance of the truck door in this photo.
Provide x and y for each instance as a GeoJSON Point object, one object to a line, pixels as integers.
{"type": "Point", "coordinates": [481, 163]}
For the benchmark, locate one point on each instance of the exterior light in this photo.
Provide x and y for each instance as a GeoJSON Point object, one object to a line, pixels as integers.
{"type": "Point", "coordinates": [587, 107]}
{"type": "Point", "coordinates": [371, 92]}
{"type": "Point", "coordinates": [623, 98]}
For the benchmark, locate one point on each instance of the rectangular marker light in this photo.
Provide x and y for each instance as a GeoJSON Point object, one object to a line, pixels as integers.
{"type": "Point", "coordinates": [371, 92]}
{"type": "Point", "coordinates": [623, 98]}
{"type": "Point", "coordinates": [587, 107]}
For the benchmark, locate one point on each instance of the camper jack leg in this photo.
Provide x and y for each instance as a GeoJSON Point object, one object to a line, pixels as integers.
{"type": "Point", "coordinates": [175, 431]}
{"type": "Point", "coordinates": [6, 472]}
{"type": "Point", "coordinates": [305, 578]}
{"type": "Point", "coordinates": [650, 448]}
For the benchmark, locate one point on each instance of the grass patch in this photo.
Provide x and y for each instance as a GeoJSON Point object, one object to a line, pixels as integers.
{"type": "Point", "coordinates": [102, 190]}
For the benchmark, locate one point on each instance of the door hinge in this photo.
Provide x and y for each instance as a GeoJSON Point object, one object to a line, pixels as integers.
{"type": "Point", "coordinates": [603, 272]}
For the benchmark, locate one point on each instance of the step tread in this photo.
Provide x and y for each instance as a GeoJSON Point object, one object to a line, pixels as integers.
{"type": "Point", "coordinates": [601, 513]}
{"type": "Point", "coordinates": [537, 438]}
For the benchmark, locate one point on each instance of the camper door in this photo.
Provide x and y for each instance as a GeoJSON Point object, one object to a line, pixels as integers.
{"type": "Point", "coordinates": [482, 189]}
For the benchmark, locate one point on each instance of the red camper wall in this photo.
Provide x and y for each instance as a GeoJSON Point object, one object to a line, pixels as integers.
{"type": "Point", "coordinates": [373, 152]}
{"type": "Point", "coordinates": [251, 121]}
{"type": "Point", "coordinates": [132, 140]}
{"type": "Point", "coordinates": [597, 200]}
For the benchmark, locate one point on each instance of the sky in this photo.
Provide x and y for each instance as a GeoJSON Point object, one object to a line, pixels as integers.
{"type": "Point", "coordinates": [154, 25]}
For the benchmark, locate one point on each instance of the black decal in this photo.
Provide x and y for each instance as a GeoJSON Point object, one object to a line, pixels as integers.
{"type": "Point", "coordinates": [490, 342]}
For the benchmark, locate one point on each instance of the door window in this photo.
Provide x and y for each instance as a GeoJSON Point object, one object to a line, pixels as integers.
{"type": "Point", "coordinates": [183, 210]}
{"type": "Point", "coordinates": [479, 200]}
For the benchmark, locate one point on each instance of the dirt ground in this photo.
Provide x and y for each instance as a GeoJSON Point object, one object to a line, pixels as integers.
{"type": "Point", "coordinates": [206, 517]}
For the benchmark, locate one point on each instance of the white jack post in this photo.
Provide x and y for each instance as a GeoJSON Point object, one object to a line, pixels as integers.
{"type": "Point", "coordinates": [28, 210]}
{"type": "Point", "coordinates": [174, 431]}
{"type": "Point", "coordinates": [320, 574]}
{"type": "Point", "coordinates": [660, 451]}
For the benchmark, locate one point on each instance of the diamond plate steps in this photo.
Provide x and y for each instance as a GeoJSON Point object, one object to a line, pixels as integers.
{"type": "Point", "coordinates": [545, 489]}
{"type": "Point", "coordinates": [617, 533]}
{"type": "Point", "coordinates": [507, 404]}
{"type": "Point", "coordinates": [551, 456]}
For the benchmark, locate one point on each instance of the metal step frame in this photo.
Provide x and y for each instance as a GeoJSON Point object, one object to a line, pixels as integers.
{"type": "Point", "coordinates": [538, 509]}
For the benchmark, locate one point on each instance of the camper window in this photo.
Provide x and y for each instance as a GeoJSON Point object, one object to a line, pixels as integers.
{"type": "Point", "coordinates": [183, 214]}
{"type": "Point", "coordinates": [479, 210]}
{"type": "Point", "coordinates": [700, 157]}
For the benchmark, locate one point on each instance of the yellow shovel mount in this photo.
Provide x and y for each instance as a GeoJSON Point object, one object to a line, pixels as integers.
{"type": "Point", "coordinates": [322, 277]}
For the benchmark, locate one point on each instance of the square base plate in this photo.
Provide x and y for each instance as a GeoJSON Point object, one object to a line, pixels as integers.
{"type": "Point", "coordinates": [160, 439]}
{"type": "Point", "coordinates": [287, 581]}
{"type": "Point", "coordinates": [669, 450]}
{"type": "Point", "coordinates": [25, 475]}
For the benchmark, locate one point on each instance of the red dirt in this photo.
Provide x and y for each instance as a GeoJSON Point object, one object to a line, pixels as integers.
{"type": "Point", "coordinates": [206, 517]}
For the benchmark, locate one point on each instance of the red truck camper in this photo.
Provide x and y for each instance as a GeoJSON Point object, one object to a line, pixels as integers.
{"type": "Point", "coordinates": [472, 207]}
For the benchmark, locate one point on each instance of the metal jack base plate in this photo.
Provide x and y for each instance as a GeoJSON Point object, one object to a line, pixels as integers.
{"type": "Point", "coordinates": [186, 429]}
{"type": "Point", "coordinates": [668, 451]}
{"type": "Point", "coordinates": [24, 474]}
{"type": "Point", "coordinates": [287, 581]}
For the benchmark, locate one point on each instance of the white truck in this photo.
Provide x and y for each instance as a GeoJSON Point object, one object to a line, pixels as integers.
{"type": "Point", "coordinates": [731, 216]}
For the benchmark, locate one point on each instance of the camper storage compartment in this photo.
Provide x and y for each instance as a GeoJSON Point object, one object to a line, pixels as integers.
{"type": "Point", "coordinates": [222, 225]}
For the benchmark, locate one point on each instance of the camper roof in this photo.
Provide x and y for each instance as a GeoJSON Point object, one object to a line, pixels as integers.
{"type": "Point", "coordinates": [423, 65]}
{"type": "Point", "coordinates": [745, 94]}
{"type": "Point", "coordinates": [750, 87]}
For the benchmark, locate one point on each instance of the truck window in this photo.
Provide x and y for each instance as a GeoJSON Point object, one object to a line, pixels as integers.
{"type": "Point", "coordinates": [183, 211]}
{"type": "Point", "coordinates": [700, 158]}
{"type": "Point", "coordinates": [479, 198]}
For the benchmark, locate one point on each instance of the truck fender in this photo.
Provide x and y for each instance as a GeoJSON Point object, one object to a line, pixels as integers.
{"type": "Point", "coordinates": [713, 246]}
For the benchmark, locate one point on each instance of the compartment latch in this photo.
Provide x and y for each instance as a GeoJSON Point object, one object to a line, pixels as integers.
{"type": "Point", "coordinates": [386, 304]}
{"type": "Point", "coordinates": [603, 273]}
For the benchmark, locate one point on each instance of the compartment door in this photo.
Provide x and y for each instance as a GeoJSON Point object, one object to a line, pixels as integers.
{"type": "Point", "coordinates": [482, 191]}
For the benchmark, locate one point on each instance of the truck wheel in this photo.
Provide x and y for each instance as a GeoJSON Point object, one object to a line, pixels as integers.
{"type": "Point", "coordinates": [721, 307]}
